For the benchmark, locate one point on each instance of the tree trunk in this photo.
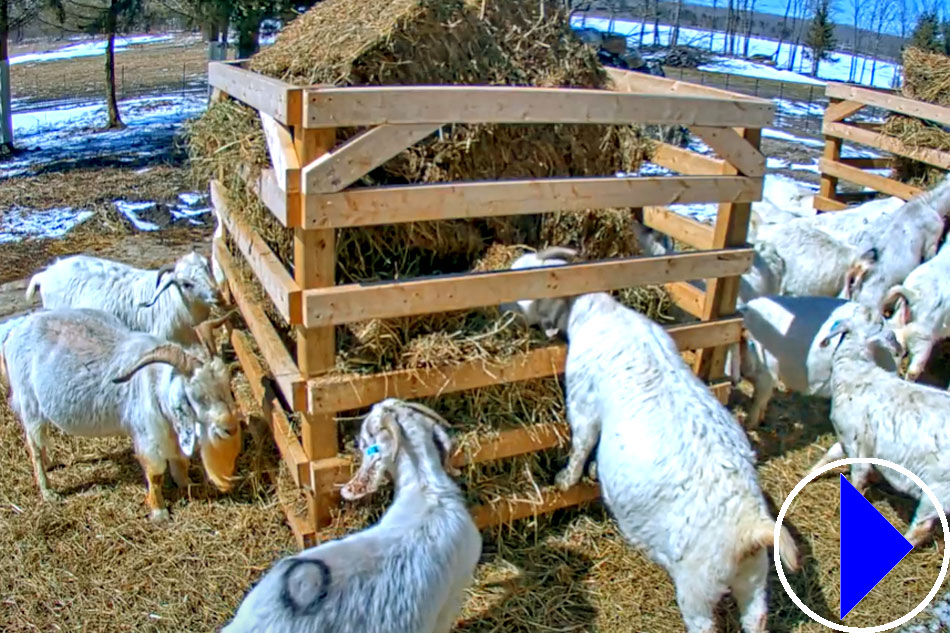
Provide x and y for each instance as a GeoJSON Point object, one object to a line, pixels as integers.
{"type": "Point", "coordinates": [781, 34]}
{"type": "Point", "coordinates": [748, 27]}
{"type": "Point", "coordinates": [656, 22]}
{"type": "Point", "coordinates": [248, 33]}
{"type": "Point", "coordinates": [675, 35]}
{"type": "Point", "coordinates": [712, 26]}
{"type": "Point", "coordinates": [6, 105]}
{"type": "Point", "coordinates": [111, 102]}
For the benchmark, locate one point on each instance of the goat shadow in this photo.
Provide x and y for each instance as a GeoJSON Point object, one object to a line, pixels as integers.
{"type": "Point", "coordinates": [547, 591]}
{"type": "Point", "coordinates": [792, 421]}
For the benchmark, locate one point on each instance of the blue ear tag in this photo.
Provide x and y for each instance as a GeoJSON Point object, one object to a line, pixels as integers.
{"type": "Point", "coordinates": [835, 325]}
{"type": "Point", "coordinates": [372, 450]}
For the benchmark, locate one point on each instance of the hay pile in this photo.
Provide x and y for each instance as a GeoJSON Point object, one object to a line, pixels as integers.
{"type": "Point", "coordinates": [927, 79]}
{"type": "Point", "coordinates": [377, 42]}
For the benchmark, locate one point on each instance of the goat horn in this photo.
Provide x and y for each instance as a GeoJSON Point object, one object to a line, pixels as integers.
{"type": "Point", "coordinates": [426, 411]}
{"type": "Point", "coordinates": [557, 252]}
{"type": "Point", "coordinates": [168, 284]}
{"type": "Point", "coordinates": [168, 353]}
{"type": "Point", "coordinates": [166, 268]}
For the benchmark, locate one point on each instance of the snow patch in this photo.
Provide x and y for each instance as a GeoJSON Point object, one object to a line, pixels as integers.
{"type": "Point", "coordinates": [753, 69]}
{"type": "Point", "coordinates": [88, 49]}
{"type": "Point", "coordinates": [131, 210]}
{"type": "Point", "coordinates": [19, 223]}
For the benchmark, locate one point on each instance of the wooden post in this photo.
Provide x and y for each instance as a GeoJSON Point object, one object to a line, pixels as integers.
{"type": "Point", "coordinates": [829, 184]}
{"type": "Point", "coordinates": [314, 267]}
{"type": "Point", "coordinates": [732, 227]}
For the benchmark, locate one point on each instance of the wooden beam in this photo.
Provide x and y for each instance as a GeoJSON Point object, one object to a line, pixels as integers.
{"type": "Point", "coordinates": [887, 143]}
{"type": "Point", "coordinates": [283, 157]}
{"type": "Point", "coordinates": [878, 183]}
{"type": "Point", "coordinates": [507, 510]}
{"type": "Point", "coordinates": [868, 163]}
{"type": "Point", "coordinates": [632, 81]}
{"type": "Point", "coordinates": [337, 170]}
{"type": "Point", "coordinates": [418, 203]}
{"type": "Point", "coordinates": [685, 161]}
{"type": "Point", "coordinates": [747, 160]}
{"type": "Point", "coordinates": [377, 105]}
{"type": "Point", "coordinates": [279, 202]}
{"type": "Point", "coordinates": [265, 94]}
{"type": "Point", "coordinates": [731, 231]}
{"type": "Point", "coordinates": [687, 296]}
{"type": "Point", "coordinates": [280, 365]}
{"type": "Point", "coordinates": [444, 293]}
{"type": "Point", "coordinates": [821, 203]}
{"type": "Point", "coordinates": [679, 227]}
{"type": "Point", "coordinates": [828, 187]}
{"type": "Point", "coordinates": [513, 442]}
{"type": "Point", "coordinates": [889, 101]}
{"type": "Point", "coordinates": [333, 394]}
{"type": "Point", "coordinates": [270, 272]}
{"type": "Point", "coordinates": [287, 443]}
{"type": "Point", "coordinates": [838, 110]}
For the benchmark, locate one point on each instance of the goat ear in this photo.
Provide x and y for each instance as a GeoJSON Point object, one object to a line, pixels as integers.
{"type": "Point", "coordinates": [837, 328]}
{"type": "Point", "coordinates": [306, 585]}
{"type": "Point", "coordinates": [444, 445]}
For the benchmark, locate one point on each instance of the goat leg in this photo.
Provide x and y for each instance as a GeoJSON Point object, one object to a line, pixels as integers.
{"type": "Point", "coordinates": [153, 481]}
{"type": "Point", "coordinates": [38, 457]}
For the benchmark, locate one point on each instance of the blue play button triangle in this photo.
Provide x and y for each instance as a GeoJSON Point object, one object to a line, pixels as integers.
{"type": "Point", "coordinates": [870, 547]}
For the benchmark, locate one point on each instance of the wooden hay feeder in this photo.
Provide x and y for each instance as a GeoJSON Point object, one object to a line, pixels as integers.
{"type": "Point", "coordinates": [306, 188]}
{"type": "Point", "coordinates": [846, 100]}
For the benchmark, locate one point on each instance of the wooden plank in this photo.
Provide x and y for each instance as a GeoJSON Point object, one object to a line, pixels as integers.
{"type": "Point", "coordinates": [887, 143]}
{"type": "Point", "coordinates": [265, 187]}
{"type": "Point", "coordinates": [632, 81]}
{"type": "Point", "coordinates": [337, 170]}
{"type": "Point", "coordinates": [514, 442]}
{"type": "Point", "coordinates": [685, 161]}
{"type": "Point", "coordinates": [507, 510]}
{"type": "Point", "coordinates": [265, 94]}
{"type": "Point", "coordinates": [369, 206]}
{"type": "Point", "coordinates": [444, 293]}
{"type": "Point", "coordinates": [280, 365]}
{"type": "Point", "coordinates": [330, 472]}
{"type": "Point", "coordinates": [748, 160]}
{"type": "Point", "coordinates": [878, 183]}
{"type": "Point", "coordinates": [828, 187]}
{"type": "Point", "coordinates": [732, 226]}
{"type": "Point", "coordinates": [270, 272]}
{"type": "Point", "coordinates": [838, 110]}
{"type": "Point", "coordinates": [687, 296]}
{"type": "Point", "coordinates": [868, 163]}
{"type": "Point", "coordinates": [722, 390]}
{"type": "Point", "coordinates": [287, 443]}
{"type": "Point", "coordinates": [821, 203]}
{"type": "Point", "coordinates": [283, 157]}
{"type": "Point", "coordinates": [679, 227]}
{"type": "Point", "coordinates": [889, 101]}
{"type": "Point", "coordinates": [333, 394]}
{"type": "Point", "coordinates": [377, 105]}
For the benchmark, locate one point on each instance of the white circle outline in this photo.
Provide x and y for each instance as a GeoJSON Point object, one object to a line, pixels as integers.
{"type": "Point", "coordinates": [943, 566]}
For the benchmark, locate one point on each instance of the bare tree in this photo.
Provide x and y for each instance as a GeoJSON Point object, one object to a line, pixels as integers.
{"type": "Point", "coordinates": [783, 32]}
{"type": "Point", "coordinates": [750, 17]}
{"type": "Point", "coordinates": [675, 32]}
{"type": "Point", "coordinates": [13, 14]}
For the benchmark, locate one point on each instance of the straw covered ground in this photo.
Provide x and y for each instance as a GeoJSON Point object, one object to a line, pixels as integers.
{"type": "Point", "coordinates": [927, 79]}
{"type": "Point", "coordinates": [93, 562]}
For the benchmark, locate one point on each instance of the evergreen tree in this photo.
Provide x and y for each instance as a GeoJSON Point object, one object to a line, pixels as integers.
{"type": "Point", "coordinates": [820, 38]}
{"type": "Point", "coordinates": [925, 33]}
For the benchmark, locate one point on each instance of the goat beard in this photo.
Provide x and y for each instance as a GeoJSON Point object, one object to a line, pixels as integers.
{"type": "Point", "coordinates": [219, 458]}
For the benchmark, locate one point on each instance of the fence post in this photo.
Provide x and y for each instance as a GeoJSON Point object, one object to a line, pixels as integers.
{"type": "Point", "coordinates": [832, 152]}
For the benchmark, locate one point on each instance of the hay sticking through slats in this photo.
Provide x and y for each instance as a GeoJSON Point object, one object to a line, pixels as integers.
{"type": "Point", "coordinates": [927, 79]}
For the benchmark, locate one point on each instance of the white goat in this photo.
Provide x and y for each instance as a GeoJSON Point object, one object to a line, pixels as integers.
{"type": "Point", "coordinates": [877, 414]}
{"type": "Point", "coordinates": [763, 277]}
{"type": "Point", "coordinates": [135, 296]}
{"type": "Point", "coordinates": [675, 468]}
{"type": "Point", "coordinates": [910, 237]}
{"type": "Point", "coordinates": [406, 574]}
{"type": "Point", "coordinates": [782, 340]}
{"type": "Point", "coordinates": [919, 310]}
{"type": "Point", "coordinates": [85, 373]}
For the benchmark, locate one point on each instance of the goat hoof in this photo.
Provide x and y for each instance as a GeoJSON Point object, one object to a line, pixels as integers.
{"type": "Point", "coordinates": [592, 471]}
{"type": "Point", "coordinates": [159, 516]}
{"type": "Point", "coordinates": [564, 480]}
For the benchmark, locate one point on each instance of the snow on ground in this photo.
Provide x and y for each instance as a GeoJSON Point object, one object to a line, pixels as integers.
{"type": "Point", "coordinates": [131, 210]}
{"type": "Point", "coordinates": [752, 69]}
{"type": "Point", "coordinates": [88, 49]}
{"type": "Point", "coordinates": [799, 108]}
{"type": "Point", "coordinates": [881, 74]}
{"type": "Point", "coordinates": [70, 135]}
{"type": "Point", "coordinates": [18, 223]}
